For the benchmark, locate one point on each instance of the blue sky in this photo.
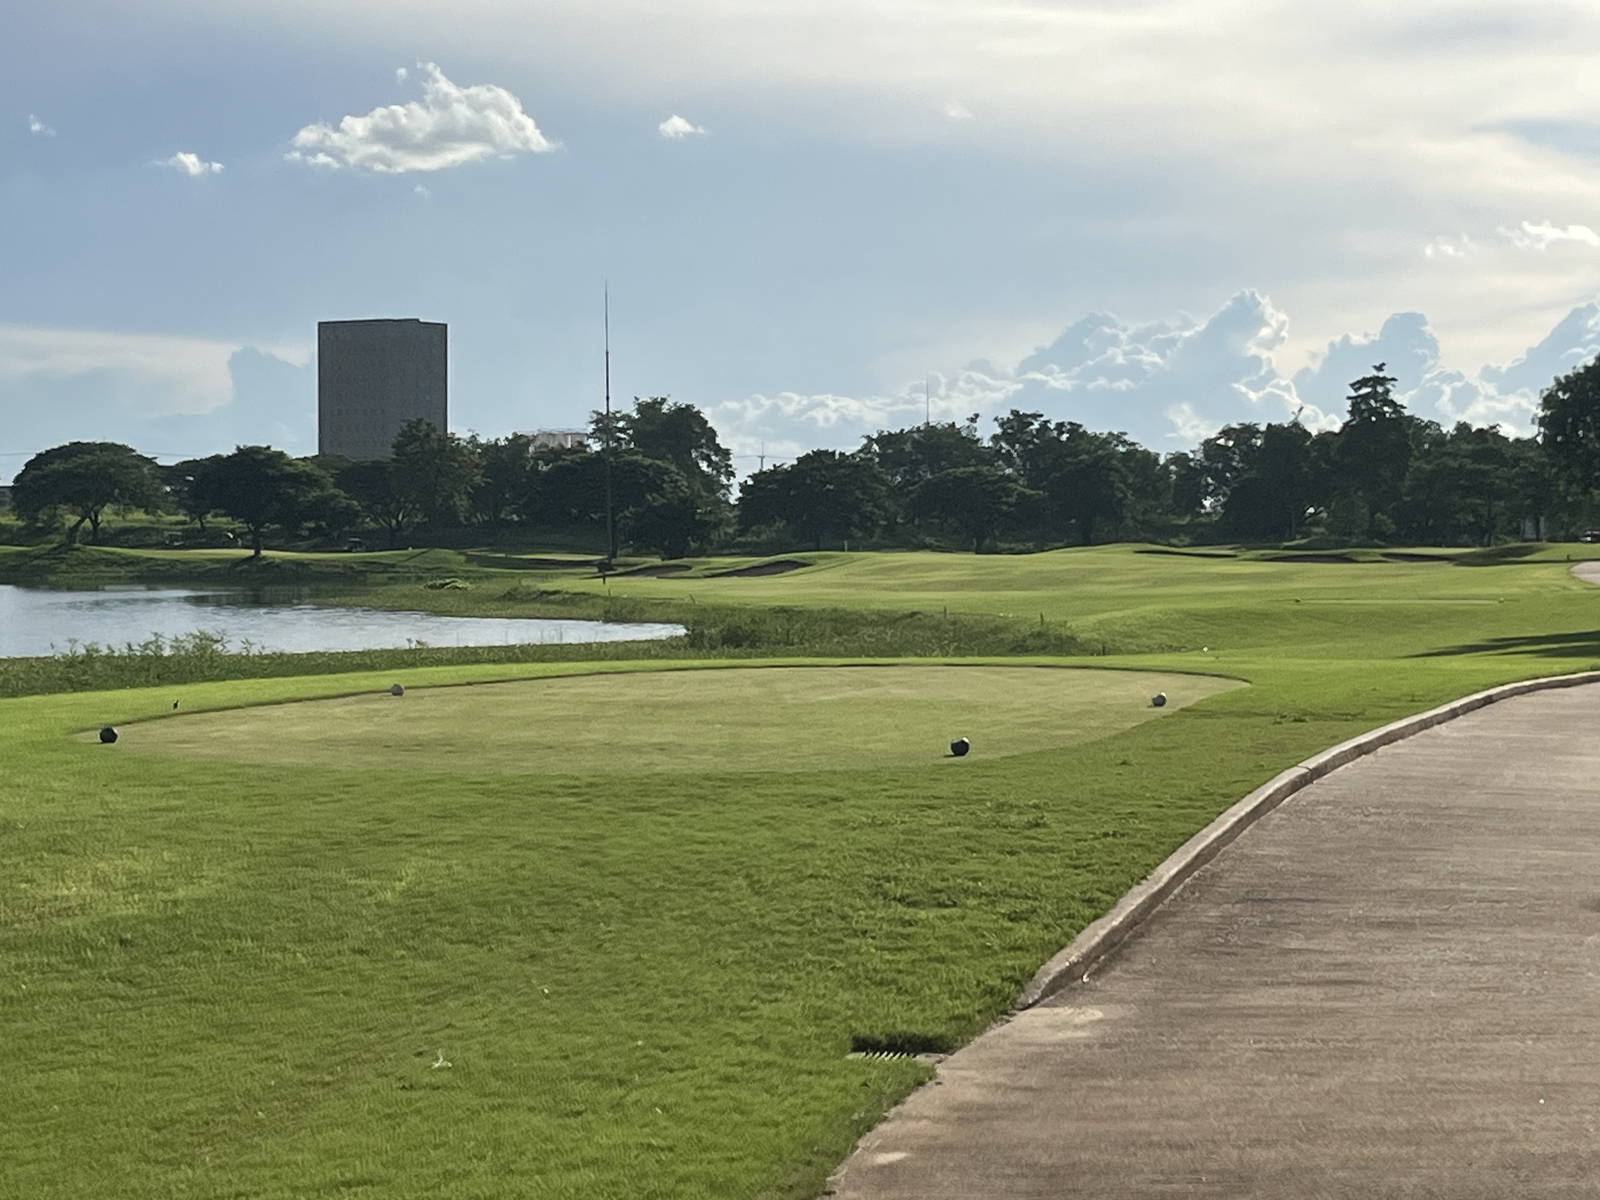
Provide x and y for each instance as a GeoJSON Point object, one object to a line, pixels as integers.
{"type": "Point", "coordinates": [1151, 215]}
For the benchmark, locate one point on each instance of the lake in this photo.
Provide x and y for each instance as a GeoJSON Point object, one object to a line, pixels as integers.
{"type": "Point", "coordinates": [40, 621]}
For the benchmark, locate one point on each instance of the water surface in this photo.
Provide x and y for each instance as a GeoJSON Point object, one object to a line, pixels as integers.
{"type": "Point", "coordinates": [38, 621]}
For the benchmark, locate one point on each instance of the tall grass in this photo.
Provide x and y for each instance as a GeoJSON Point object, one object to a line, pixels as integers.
{"type": "Point", "coordinates": [203, 656]}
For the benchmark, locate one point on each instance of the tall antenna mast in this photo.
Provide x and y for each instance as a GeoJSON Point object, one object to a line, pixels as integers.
{"type": "Point", "coordinates": [927, 400]}
{"type": "Point", "coordinates": [611, 508]}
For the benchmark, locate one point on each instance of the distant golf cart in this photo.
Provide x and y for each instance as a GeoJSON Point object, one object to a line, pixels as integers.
{"type": "Point", "coordinates": [1591, 536]}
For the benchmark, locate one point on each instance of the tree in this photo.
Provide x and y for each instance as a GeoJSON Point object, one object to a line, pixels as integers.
{"type": "Point", "coordinates": [437, 470]}
{"type": "Point", "coordinates": [1261, 477]}
{"type": "Point", "coordinates": [573, 487]}
{"type": "Point", "coordinates": [674, 517]}
{"type": "Point", "coordinates": [376, 487]}
{"type": "Point", "coordinates": [979, 500]}
{"type": "Point", "coordinates": [1087, 487]}
{"type": "Point", "coordinates": [1372, 455]}
{"type": "Point", "coordinates": [192, 484]}
{"type": "Point", "coordinates": [670, 432]}
{"type": "Point", "coordinates": [1473, 485]}
{"type": "Point", "coordinates": [908, 457]}
{"type": "Point", "coordinates": [259, 486]}
{"type": "Point", "coordinates": [822, 496]}
{"type": "Point", "coordinates": [83, 479]}
{"type": "Point", "coordinates": [1569, 426]}
{"type": "Point", "coordinates": [506, 469]}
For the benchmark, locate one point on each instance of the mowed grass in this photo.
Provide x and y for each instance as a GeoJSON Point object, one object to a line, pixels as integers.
{"type": "Point", "coordinates": [223, 978]}
{"type": "Point", "coordinates": [773, 719]}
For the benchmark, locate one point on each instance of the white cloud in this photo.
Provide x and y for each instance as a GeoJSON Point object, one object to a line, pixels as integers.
{"type": "Point", "coordinates": [187, 163]}
{"type": "Point", "coordinates": [1541, 235]}
{"type": "Point", "coordinates": [1153, 109]}
{"type": "Point", "coordinates": [401, 74]}
{"type": "Point", "coordinates": [425, 193]}
{"type": "Point", "coordinates": [1170, 384]}
{"type": "Point", "coordinates": [957, 111]}
{"type": "Point", "coordinates": [190, 373]}
{"type": "Point", "coordinates": [165, 395]}
{"type": "Point", "coordinates": [1526, 235]}
{"type": "Point", "coordinates": [675, 127]}
{"type": "Point", "coordinates": [38, 128]}
{"type": "Point", "coordinates": [1460, 246]}
{"type": "Point", "coordinates": [449, 127]}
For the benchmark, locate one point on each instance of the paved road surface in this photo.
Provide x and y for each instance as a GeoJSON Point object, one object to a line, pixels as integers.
{"type": "Point", "coordinates": [1390, 987]}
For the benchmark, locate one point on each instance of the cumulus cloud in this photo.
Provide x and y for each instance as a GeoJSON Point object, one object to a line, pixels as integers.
{"type": "Point", "coordinates": [1169, 384]}
{"type": "Point", "coordinates": [957, 111]}
{"type": "Point", "coordinates": [449, 127]}
{"type": "Point", "coordinates": [166, 395]}
{"type": "Point", "coordinates": [38, 128]}
{"type": "Point", "coordinates": [675, 127]}
{"type": "Point", "coordinates": [1541, 235]}
{"type": "Point", "coordinates": [1526, 235]}
{"type": "Point", "coordinates": [1460, 246]}
{"type": "Point", "coordinates": [187, 163]}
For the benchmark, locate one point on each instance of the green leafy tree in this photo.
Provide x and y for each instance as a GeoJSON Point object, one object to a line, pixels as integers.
{"type": "Point", "coordinates": [1263, 478]}
{"type": "Point", "coordinates": [82, 480]}
{"type": "Point", "coordinates": [1190, 493]}
{"type": "Point", "coordinates": [980, 501]}
{"type": "Point", "coordinates": [670, 432]}
{"type": "Point", "coordinates": [437, 470]}
{"type": "Point", "coordinates": [908, 457]}
{"type": "Point", "coordinates": [573, 488]}
{"type": "Point", "coordinates": [1569, 426]}
{"type": "Point", "coordinates": [675, 517]}
{"type": "Point", "coordinates": [260, 486]}
{"type": "Point", "coordinates": [506, 470]}
{"type": "Point", "coordinates": [1473, 485]}
{"type": "Point", "coordinates": [1087, 487]}
{"type": "Point", "coordinates": [376, 486]}
{"type": "Point", "coordinates": [192, 484]}
{"type": "Point", "coordinates": [822, 496]}
{"type": "Point", "coordinates": [1372, 456]}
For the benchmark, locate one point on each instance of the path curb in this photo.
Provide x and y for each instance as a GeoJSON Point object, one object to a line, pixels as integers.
{"type": "Point", "coordinates": [1078, 959]}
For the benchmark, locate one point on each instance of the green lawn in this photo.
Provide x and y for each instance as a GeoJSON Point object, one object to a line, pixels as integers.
{"type": "Point", "coordinates": [773, 719]}
{"type": "Point", "coordinates": [235, 978]}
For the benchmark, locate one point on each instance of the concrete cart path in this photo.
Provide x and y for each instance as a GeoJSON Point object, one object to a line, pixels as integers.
{"type": "Point", "coordinates": [1390, 987]}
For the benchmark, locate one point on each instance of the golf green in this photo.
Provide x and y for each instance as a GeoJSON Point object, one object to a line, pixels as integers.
{"type": "Point", "coordinates": [734, 718]}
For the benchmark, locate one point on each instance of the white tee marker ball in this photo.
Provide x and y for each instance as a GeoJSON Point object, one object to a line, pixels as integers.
{"type": "Point", "coordinates": [1159, 700]}
{"type": "Point", "coordinates": [396, 690]}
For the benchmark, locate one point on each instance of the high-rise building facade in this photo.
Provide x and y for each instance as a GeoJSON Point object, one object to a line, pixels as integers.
{"type": "Point", "coordinates": [373, 377]}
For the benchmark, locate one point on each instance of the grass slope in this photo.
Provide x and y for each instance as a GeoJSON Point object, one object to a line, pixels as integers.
{"type": "Point", "coordinates": [225, 978]}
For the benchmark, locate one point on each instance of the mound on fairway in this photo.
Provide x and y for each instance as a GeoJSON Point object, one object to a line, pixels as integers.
{"type": "Point", "coordinates": [727, 719]}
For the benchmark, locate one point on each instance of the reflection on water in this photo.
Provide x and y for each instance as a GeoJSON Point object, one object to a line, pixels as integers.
{"type": "Point", "coordinates": [36, 621]}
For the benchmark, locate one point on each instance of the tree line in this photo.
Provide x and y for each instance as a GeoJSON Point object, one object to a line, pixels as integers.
{"type": "Point", "coordinates": [661, 472]}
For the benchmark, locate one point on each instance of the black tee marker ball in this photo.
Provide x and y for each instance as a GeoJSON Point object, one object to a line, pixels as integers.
{"type": "Point", "coordinates": [396, 689]}
{"type": "Point", "coordinates": [108, 735]}
{"type": "Point", "coordinates": [959, 747]}
{"type": "Point", "coordinates": [1159, 700]}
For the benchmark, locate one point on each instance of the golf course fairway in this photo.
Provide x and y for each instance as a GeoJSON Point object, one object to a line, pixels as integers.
{"type": "Point", "coordinates": [735, 718]}
{"type": "Point", "coordinates": [590, 929]}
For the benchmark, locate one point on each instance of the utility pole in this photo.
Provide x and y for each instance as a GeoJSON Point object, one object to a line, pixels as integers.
{"type": "Point", "coordinates": [611, 508]}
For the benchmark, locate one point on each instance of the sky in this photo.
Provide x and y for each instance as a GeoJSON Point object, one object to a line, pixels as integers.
{"type": "Point", "coordinates": [817, 218]}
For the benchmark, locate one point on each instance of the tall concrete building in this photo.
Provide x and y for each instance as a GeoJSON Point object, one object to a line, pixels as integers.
{"type": "Point", "coordinates": [373, 377]}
